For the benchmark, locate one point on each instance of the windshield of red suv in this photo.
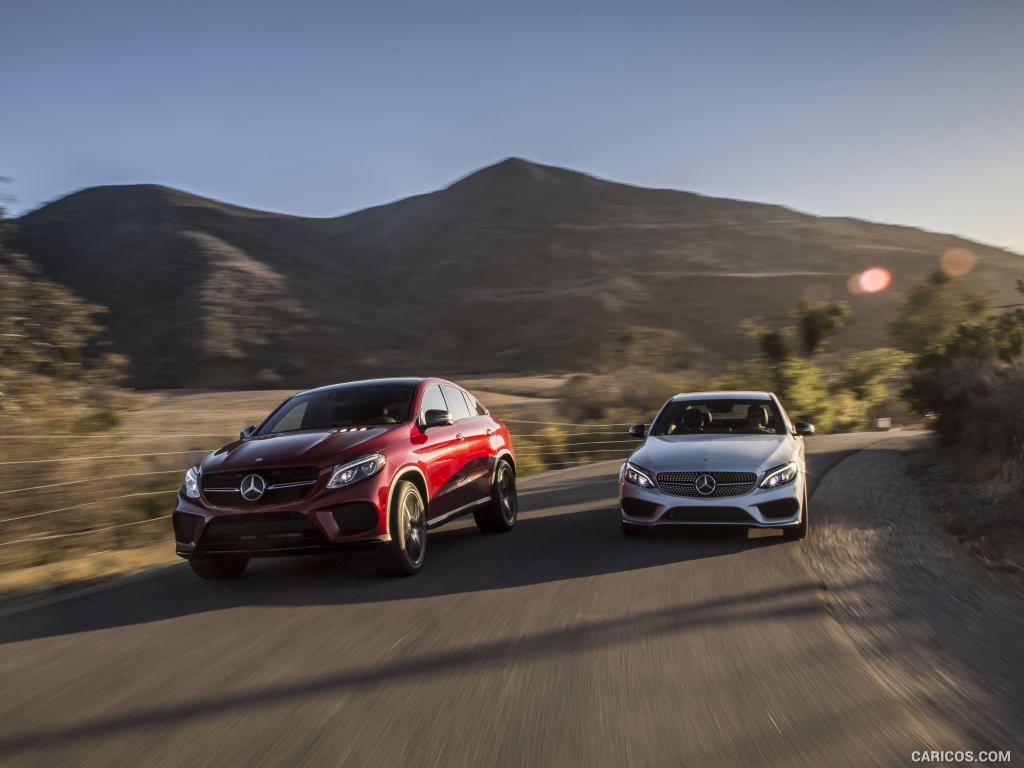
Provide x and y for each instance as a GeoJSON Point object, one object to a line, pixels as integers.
{"type": "Point", "coordinates": [347, 405]}
{"type": "Point", "coordinates": [720, 417]}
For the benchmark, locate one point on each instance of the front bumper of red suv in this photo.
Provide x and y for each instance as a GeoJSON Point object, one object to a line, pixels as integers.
{"type": "Point", "coordinates": [323, 521]}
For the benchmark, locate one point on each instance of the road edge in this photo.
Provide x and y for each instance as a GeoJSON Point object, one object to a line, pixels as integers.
{"type": "Point", "coordinates": [892, 583]}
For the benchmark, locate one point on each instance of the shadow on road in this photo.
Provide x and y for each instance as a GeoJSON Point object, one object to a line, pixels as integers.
{"type": "Point", "coordinates": [795, 602]}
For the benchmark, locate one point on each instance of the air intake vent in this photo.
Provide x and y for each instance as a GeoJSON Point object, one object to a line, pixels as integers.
{"type": "Point", "coordinates": [357, 517]}
{"type": "Point", "coordinates": [779, 508]}
{"type": "Point", "coordinates": [260, 531]}
{"type": "Point", "coordinates": [707, 515]}
{"type": "Point", "coordinates": [185, 526]}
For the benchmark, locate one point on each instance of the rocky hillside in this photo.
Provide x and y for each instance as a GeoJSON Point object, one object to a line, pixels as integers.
{"type": "Point", "coordinates": [517, 267]}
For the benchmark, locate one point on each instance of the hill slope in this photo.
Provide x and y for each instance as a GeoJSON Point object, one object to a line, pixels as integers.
{"type": "Point", "coordinates": [517, 267]}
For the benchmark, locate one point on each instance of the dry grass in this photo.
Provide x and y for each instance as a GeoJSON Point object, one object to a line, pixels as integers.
{"type": "Point", "coordinates": [22, 584]}
{"type": "Point", "coordinates": [124, 476]}
{"type": "Point", "coordinates": [975, 505]}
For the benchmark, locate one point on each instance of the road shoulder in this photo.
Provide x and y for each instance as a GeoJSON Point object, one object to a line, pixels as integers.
{"type": "Point", "coordinates": [926, 621]}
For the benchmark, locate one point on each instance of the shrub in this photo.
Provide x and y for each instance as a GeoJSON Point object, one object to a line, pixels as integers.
{"type": "Point", "coordinates": [819, 322]}
{"type": "Point", "coordinates": [933, 312]}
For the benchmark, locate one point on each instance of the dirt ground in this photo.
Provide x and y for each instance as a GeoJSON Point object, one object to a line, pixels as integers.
{"type": "Point", "coordinates": [934, 622]}
{"type": "Point", "coordinates": [978, 506]}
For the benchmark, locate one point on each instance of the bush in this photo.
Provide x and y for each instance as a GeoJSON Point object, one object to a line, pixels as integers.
{"type": "Point", "coordinates": [979, 366]}
{"type": "Point", "coordinates": [933, 312]}
{"type": "Point", "coordinates": [838, 398]}
{"type": "Point", "coordinates": [629, 394]}
{"type": "Point", "coordinates": [819, 322]}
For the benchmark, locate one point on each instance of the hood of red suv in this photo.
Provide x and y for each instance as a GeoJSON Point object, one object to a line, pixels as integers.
{"type": "Point", "coordinates": [312, 448]}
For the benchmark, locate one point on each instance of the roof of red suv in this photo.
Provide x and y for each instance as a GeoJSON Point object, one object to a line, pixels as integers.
{"type": "Point", "coordinates": [396, 380]}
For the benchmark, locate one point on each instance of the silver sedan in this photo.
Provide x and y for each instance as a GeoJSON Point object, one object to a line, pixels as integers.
{"type": "Point", "coordinates": [717, 458]}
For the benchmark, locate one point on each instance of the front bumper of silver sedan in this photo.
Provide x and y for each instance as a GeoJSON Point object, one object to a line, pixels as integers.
{"type": "Point", "coordinates": [779, 507]}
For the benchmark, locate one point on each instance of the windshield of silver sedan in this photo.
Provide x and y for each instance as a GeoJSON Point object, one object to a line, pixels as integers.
{"type": "Point", "coordinates": [719, 417]}
{"type": "Point", "coordinates": [348, 405]}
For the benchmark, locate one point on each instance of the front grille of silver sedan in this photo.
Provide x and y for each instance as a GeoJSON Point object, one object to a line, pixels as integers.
{"type": "Point", "coordinates": [726, 484]}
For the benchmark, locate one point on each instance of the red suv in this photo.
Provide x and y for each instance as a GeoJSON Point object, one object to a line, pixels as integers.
{"type": "Point", "coordinates": [369, 463]}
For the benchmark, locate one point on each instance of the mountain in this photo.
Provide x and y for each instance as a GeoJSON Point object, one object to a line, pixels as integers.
{"type": "Point", "coordinates": [517, 267]}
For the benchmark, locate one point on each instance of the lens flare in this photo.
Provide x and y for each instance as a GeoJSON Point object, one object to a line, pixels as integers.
{"type": "Point", "coordinates": [957, 262]}
{"type": "Point", "coordinates": [871, 280]}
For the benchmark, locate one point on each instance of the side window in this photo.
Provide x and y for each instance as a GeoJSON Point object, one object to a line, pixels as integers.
{"type": "Point", "coordinates": [433, 401]}
{"type": "Point", "coordinates": [456, 402]}
{"type": "Point", "coordinates": [787, 423]}
{"type": "Point", "coordinates": [474, 404]}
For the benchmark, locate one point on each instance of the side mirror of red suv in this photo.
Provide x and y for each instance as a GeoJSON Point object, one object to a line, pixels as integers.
{"type": "Point", "coordinates": [436, 418]}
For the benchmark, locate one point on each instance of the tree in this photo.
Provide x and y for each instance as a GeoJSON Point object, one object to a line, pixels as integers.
{"type": "Point", "coordinates": [836, 397]}
{"type": "Point", "coordinates": [819, 322]}
{"type": "Point", "coordinates": [804, 388]}
{"type": "Point", "coordinates": [964, 379]}
{"type": "Point", "coordinates": [864, 373]}
{"type": "Point", "coordinates": [774, 343]}
{"type": "Point", "coordinates": [933, 311]}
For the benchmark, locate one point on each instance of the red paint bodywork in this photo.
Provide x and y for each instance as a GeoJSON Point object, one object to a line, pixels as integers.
{"type": "Point", "coordinates": [453, 464]}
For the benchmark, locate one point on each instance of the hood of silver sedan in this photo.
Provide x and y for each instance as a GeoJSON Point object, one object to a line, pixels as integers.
{"type": "Point", "coordinates": [683, 453]}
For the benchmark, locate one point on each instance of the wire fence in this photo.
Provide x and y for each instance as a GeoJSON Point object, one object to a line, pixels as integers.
{"type": "Point", "coordinates": [541, 445]}
{"type": "Point", "coordinates": [34, 539]}
{"type": "Point", "coordinates": [82, 504]}
{"type": "Point", "coordinates": [96, 479]}
{"type": "Point", "coordinates": [104, 458]}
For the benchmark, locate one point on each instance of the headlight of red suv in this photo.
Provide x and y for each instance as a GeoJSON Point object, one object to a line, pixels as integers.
{"type": "Point", "coordinates": [354, 471]}
{"type": "Point", "coordinates": [191, 484]}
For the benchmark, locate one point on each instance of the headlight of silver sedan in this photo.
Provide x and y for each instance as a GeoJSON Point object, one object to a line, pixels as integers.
{"type": "Point", "coordinates": [637, 476]}
{"type": "Point", "coordinates": [780, 475]}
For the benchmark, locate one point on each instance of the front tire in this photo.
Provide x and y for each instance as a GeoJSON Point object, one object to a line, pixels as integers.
{"type": "Point", "coordinates": [403, 555]}
{"type": "Point", "coordinates": [223, 567]}
{"type": "Point", "coordinates": [499, 515]}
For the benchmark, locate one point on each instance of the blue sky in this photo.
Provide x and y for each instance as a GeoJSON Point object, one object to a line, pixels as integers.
{"type": "Point", "coordinates": [905, 112]}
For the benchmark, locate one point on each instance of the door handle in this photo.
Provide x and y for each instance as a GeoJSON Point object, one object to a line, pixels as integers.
{"type": "Point", "coordinates": [460, 437]}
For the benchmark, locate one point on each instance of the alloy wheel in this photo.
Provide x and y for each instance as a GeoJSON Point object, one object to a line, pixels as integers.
{"type": "Point", "coordinates": [507, 494]}
{"type": "Point", "coordinates": [414, 528]}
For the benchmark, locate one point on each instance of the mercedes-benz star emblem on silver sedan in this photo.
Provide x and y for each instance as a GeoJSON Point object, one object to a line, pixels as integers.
{"type": "Point", "coordinates": [717, 458]}
{"type": "Point", "coordinates": [253, 487]}
{"type": "Point", "coordinates": [705, 485]}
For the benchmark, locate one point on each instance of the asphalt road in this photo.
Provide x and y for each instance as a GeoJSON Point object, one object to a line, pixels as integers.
{"type": "Point", "coordinates": [562, 643]}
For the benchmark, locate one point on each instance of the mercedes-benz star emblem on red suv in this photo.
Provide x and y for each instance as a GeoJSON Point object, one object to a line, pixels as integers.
{"type": "Point", "coordinates": [253, 487]}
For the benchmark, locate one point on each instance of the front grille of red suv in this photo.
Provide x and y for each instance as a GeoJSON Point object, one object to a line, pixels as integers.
{"type": "Point", "coordinates": [284, 485]}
